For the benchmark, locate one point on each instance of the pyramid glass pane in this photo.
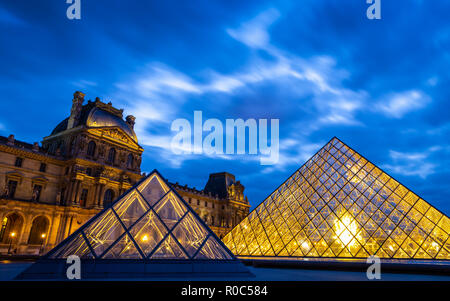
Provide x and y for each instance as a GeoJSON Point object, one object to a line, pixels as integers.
{"type": "Point", "coordinates": [76, 246]}
{"type": "Point", "coordinates": [104, 232]}
{"type": "Point", "coordinates": [169, 249]}
{"type": "Point", "coordinates": [131, 208]}
{"type": "Point", "coordinates": [153, 188]}
{"type": "Point", "coordinates": [338, 204]}
{"type": "Point", "coordinates": [148, 232]}
{"type": "Point", "coordinates": [212, 249]}
{"type": "Point", "coordinates": [170, 209]}
{"type": "Point", "coordinates": [190, 233]}
{"type": "Point", "coordinates": [124, 248]}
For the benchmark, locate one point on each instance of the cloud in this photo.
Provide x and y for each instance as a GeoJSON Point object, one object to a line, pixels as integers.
{"type": "Point", "coordinates": [398, 104]}
{"type": "Point", "coordinates": [254, 33]}
{"type": "Point", "coordinates": [433, 81]}
{"type": "Point", "coordinates": [158, 94]}
{"type": "Point", "coordinates": [413, 164]}
{"type": "Point", "coordinates": [84, 84]}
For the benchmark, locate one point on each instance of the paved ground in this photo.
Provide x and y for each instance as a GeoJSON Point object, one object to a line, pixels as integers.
{"type": "Point", "coordinates": [8, 270]}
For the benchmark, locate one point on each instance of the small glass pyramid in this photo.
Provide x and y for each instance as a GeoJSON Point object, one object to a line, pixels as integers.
{"type": "Point", "coordinates": [148, 232]}
{"type": "Point", "coordinates": [150, 222]}
{"type": "Point", "coordinates": [338, 204]}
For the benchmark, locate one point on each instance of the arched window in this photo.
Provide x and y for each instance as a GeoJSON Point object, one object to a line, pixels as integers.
{"type": "Point", "coordinates": [111, 155]}
{"type": "Point", "coordinates": [130, 161]}
{"type": "Point", "coordinates": [91, 149]}
{"type": "Point", "coordinates": [38, 232]}
{"type": "Point", "coordinates": [11, 228]}
{"type": "Point", "coordinates": [109, 197]}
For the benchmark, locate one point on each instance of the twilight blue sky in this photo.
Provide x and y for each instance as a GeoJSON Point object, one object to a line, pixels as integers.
{"type": "Point", "coordinates": [319, 66]}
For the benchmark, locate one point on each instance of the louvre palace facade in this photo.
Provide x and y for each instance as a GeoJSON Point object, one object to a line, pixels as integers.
{"type": "Point", "coordinates": [49, 190]}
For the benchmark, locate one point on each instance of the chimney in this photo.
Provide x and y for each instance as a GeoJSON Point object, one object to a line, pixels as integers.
{"type": "Point", "coordinates": [75, 112]}
{"type": "Point", "coordinates": [131, 120]}
{"type": "Point", "coordinates": [11, 139]}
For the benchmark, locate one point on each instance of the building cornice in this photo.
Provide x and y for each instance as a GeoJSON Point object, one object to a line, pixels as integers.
{"type": "Point", "coordinates": [32, 154]}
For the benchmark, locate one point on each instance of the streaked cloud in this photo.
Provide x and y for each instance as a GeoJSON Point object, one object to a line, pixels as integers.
{"type": "Point", "coordinates": [413, 163]}
{"type": "Point", "coordinates": [397, 105]}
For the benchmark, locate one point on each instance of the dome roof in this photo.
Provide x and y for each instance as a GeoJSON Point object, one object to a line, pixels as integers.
{"type": "Point", "coordinates": [97, 115]}
{"type": "Point", "coordinates": [99, 118]}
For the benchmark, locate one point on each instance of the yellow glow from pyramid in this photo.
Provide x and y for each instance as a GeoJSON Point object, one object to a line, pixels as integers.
{"type": "Point", "coordinates": [339, 214]}
{"type": "Point", "coordinates": [345, 227]}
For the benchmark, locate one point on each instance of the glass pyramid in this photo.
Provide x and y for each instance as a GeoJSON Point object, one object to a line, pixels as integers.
{"type": "Point", "coordinates": [338, 204]}
{"type": "Point", "coordinates": [148, 232]}
{"type": "Point", "coordinates": [150, 222]}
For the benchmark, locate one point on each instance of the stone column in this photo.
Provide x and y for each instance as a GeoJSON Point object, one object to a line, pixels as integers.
{"type": "Point", "coordinates": [76, 200]}
{"type": "Point", "coordinates": [62, 228]}
{"type": "Point", "coordinates": [101, 195]}
{"type": "Point", "coordinates": [22, 237]}
{"type": "Point", "coordinates": [73, 189]}
{"type": "Point", "coordinates": [68, 227]}
{"type": "Point", "coordinates": [95, 197]}
{"type": "Point", "coordinates": [52, 230]}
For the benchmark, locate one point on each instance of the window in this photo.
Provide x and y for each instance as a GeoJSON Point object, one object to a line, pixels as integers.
{"type": "Point", "coordinates": [91, 149]}
{"type": "Point", "coordinates": [109, 196]}
{"type": "Point", "coordinates": [83, 197]}
{"type": "Point", "coordinates": [198, 202]}
{"type": "Point", "coordinates": [213, 205]}
{"type": "Point", "coordinates": [89, 171]}
{"type": "Point", "coordinates": [12, 228]}
{"type": "Point", "coordinates": [130, 161]}
{"type": "Point", "coordinates": [112, 156]}
{"type": "Point", "coordinates": [43, 167]}
{"type": "Point", "coordinates": [223, 207]}
{"type": "Point", "coordinates": [12, 185]}
{"type": "Point", "coordinates": [67, 171]}
{"type": "Point", "coordinates": [18, 162]}
{"type": "Point", "coordinates": [190, 200]}
{"type": "Point", "coordinates": [212, 220]}
{"type": "Point", "coordinates": [206, 204]}
{"type": "Point", "coordinates": [38, 231]}
{"type": "Point", "coordinates": [37, 189]}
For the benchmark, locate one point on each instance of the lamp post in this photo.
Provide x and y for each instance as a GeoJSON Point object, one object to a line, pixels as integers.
{"type": "Point", "coordinates": [13, 234]}
{"type": "Point", "coordinates": [42, 243]}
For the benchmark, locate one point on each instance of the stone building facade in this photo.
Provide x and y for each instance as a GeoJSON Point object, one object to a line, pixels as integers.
{"type": "Point", "coordinates": [49, 190]}
{"type": "Point", "coordinates": [221, 204]}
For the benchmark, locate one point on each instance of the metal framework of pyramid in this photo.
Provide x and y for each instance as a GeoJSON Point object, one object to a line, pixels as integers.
{"type": "Point", "coordinates": [340, 205]}
{"type": "Point", "coordinates": [149, 230]}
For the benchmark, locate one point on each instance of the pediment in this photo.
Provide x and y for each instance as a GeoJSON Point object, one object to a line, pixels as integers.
{"type": "Point", "coordinates": [116, 134]}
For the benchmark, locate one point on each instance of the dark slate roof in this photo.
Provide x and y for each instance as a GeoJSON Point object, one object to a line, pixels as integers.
{"type": "Point", "coordinates": [218, 184]}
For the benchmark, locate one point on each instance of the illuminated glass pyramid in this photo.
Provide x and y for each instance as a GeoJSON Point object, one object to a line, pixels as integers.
{"type": "Point", "coordinates": [151, 223]}
{"type": "Point", "coordinates": [338, 204]}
